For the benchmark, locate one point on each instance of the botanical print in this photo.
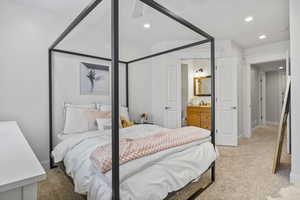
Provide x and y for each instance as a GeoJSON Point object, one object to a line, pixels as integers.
{"type": "Point", "coordinates": [94, 79]}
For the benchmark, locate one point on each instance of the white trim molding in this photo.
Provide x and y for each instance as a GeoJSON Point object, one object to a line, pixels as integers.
{"type": "Point", "coordinates": [45, 164]}
{"type": "Point", "coordinates": [294, 178]}
{"type": "Point", "coordinates": [269, 123]}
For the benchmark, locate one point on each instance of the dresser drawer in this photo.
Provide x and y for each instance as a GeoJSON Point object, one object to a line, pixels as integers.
{"type": "Point", "coordinates": [193, 119]}
{"type": "Point", "coordinates": [194, 123]}
{"type": "Point", "coordinates": [193, 109]}
{"type": "Point", "coordinates": [205, 124]}
{"type": "Point", "coordinates": [199, 116]}
{"type": "Point", "coordinates": [205, 117]}
{"type": "Point", "coordinates": [208, 127]}
{"type": "Point", "coordinates": [193, 116]}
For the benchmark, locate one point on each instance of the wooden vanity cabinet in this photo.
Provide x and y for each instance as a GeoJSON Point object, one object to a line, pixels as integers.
{"type": "Point", "coordinates": [199, 116]}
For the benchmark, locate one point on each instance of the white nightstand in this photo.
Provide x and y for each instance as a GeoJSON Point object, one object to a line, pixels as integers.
{"type": "Point", "coordinates": [20, 170]}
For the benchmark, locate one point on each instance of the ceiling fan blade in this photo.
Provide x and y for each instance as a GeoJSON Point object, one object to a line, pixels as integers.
{"type": "Point", "coordinates": [180, 5]}
{"type": "Point", "coordinates": [138, 10]}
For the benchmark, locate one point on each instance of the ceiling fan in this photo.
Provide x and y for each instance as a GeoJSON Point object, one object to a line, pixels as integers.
{"type": "Point", "coordinates": [140, 8]}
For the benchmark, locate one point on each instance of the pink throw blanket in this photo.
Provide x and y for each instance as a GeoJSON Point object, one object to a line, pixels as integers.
{"type": "Point", "coordinates": [131, 149]}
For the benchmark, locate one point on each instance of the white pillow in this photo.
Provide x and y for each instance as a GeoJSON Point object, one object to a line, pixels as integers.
{"type": "Point", "coordinates": [103, 123]}
{"type": "Point", "coordinates": [83, 106]}
{"type": "Point", "coordinates": [69, 105]}
{"type": "Point", "coordinates": [123, 110]}
{"type": "Point", "coordinates": [76, 120]}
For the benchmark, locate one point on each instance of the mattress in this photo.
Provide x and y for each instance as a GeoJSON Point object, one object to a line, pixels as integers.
{"type": "Point", "coordinates": [165, 173]}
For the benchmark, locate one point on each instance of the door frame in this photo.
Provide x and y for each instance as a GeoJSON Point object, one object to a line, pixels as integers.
{"type": "Point", "coordinates": [247, 105]}
{"type": "Point", "coordinates": [262, 96]}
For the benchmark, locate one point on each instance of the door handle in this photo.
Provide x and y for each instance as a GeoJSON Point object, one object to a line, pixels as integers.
{"type": "Point", "coordinates": [233, 108]}
{"type": "Point", "coordinates": [167, 108]}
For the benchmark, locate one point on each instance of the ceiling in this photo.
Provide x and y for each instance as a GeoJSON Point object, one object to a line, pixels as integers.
{"type": "Point", "coordinates": [222, 19]}
{"type": "Point", "coordinates": [271, 66]}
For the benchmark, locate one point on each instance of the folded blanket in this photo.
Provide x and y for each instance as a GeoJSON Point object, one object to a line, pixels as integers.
{"type": "Point", "coordinates": [131, 149]}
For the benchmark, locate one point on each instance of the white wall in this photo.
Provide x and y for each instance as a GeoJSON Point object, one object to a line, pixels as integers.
{"type": "Point", "coordinates": [269, 52]}
{"type": "Point", "coordinates": [26, 33]}
{"type": "Point", "coordinates": [295, 75]}
{"type": "Point", "coordinates": [25, 36]}
{"type": "Point", "coordinates": [140, 89]}
{"type": "Point", "coordinates": [66, 87]}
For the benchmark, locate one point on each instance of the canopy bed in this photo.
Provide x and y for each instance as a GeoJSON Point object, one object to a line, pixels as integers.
{"type": "Point", "coordinates": [206, 137]}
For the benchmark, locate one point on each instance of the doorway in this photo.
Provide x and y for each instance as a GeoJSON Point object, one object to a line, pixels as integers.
{"type": "Point", "coordinates": [192, 68]}
{"type": "Point", "coordinates": [268, 82]}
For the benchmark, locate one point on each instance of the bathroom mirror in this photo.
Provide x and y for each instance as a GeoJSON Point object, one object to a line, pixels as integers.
{"type": "Point", "coordinates": [202, 86]}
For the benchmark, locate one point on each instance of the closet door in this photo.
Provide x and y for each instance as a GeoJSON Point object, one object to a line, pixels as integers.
{"type": "Point", "coordinates": [226, 102]}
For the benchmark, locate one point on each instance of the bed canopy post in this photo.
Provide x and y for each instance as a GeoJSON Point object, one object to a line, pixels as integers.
{"type": "Point", "coordinates": [127, 86]}
{"type": "Point", "coordinates": [115, 76]}
{"type": "Point", "coordinates": [50, 77]}
{"type": "Point", "coordinates": [212, 62]}
{"type": "Point", "coordinates": [115, 98]}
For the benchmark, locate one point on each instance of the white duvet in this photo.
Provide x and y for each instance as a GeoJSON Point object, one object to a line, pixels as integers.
{"type": "Point", "coordinates": [147, 178]}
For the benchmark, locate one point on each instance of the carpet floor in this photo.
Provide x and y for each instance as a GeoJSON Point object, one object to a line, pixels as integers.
{"type": "Point", "coordinates": [242, 173]}
{"type": "Point", "coordinates": [291, 192]}
{"type": "Point", "coordinates": [245, 172]}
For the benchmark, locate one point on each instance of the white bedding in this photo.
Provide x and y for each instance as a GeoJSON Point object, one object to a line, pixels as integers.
{"type": "Point", "coordinates": [62, 136]}
{"type": "Point", "coordinates": [150, 177]}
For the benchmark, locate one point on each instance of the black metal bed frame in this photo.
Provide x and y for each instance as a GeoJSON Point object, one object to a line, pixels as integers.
{"type": "Point", "coordinates": [115, 77]}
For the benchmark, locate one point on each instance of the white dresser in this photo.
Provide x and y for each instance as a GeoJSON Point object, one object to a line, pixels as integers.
{"type": "Point", "coordinates": [20, 170]}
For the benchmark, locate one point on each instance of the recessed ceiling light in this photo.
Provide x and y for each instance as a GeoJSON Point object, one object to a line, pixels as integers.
{"type": "Point", "coordinates": [147, 25]}
{"type": "Point", "coordinates": [262, 37]}
{"type": "Point", "coordinates": [249, 19]}
{"type": "Point", "coordinates": [281, 68]}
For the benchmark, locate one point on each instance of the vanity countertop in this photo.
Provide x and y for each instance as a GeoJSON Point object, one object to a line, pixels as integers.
{"type": "Point", "coordinates": [209, 106]}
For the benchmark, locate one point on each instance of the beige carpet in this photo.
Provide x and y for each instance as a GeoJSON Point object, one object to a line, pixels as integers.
{"type": "Point", "coordinates": [290, 193]}
{"type": "Point", "coordinates": [243, 173]}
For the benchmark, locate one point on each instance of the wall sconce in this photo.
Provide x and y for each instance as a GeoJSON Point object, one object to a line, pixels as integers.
{"type": "Point", "coordinates": [199, 72]}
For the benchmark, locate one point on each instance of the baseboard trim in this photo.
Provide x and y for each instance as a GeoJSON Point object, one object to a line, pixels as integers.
{"type": "Point", "coordinates": [45, 164]}
{"type": "Point", "coordinates": [253, 129]}
{"type": "Point", "coordinates": [247, 134]}
{"type": "Point", "coordinates": [272, 123]}
{"type": "Point", "coordinates": [294, 178]}
{"type": "Point", "coordinates": [258, 126]}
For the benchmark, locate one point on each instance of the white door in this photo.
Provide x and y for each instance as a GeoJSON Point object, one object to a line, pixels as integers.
{"type": "Point", "coordinates": [172, 109]}
{"type": "Point", "coordinates": [226, 102]}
